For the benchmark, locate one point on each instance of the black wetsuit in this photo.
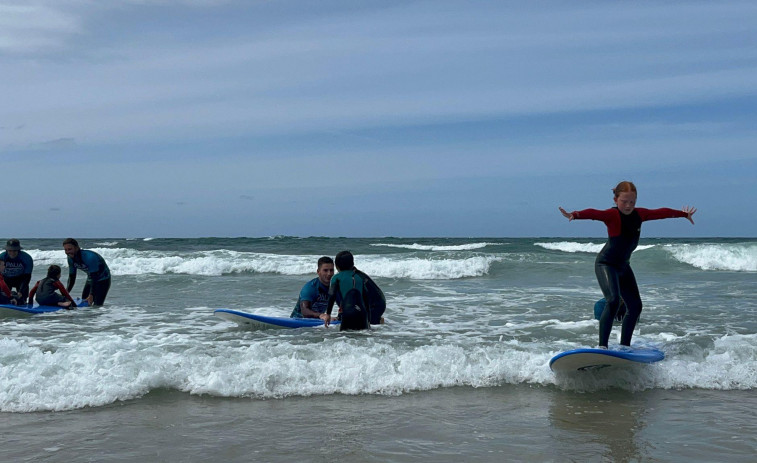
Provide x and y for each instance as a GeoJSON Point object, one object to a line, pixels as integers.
{"type": "Point", "coordinates": [613, 269]}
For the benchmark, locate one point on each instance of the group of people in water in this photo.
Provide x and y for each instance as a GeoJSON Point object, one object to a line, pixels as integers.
{"type": "Point", "coordinates": [612, 267]}
{"type": "Point", "coordinates": [361, 302]}
{"type": "Point", "coordinates": [16, 268]}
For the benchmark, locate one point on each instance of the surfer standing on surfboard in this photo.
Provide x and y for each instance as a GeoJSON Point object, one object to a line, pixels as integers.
{"type": "Point", "coordinates": [613, 269]}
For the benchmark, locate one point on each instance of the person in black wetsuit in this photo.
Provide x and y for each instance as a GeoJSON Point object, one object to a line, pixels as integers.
{"type": "Point", "coordinates": [613, 269]}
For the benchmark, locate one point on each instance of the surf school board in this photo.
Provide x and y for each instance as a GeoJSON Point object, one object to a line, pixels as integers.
{"type": "Point", "coordinates": [26, 310]}
{"type": "Point", "coordinates": [262, 322]}
{"type": "Point", "coordinates": [595, 359]}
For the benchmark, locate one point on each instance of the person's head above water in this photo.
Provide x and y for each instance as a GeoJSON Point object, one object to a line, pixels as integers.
{"type": "Point", "coordinates": [344, 261]}
{"type": "Point", "coordinates": [53, 271]}
{"type": "Point", "coordinates": [625, 197]}
{"type": "Point", "coordinates": [325, 270]}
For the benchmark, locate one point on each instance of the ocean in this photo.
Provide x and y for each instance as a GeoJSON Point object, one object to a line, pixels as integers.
{"type": "Point", "coordinates": [459, 371]}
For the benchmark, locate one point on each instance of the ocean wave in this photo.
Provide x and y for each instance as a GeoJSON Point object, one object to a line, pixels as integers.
{"type": "Point", "coordinates": [105, 368]}
{"type": "Point", "coordinates": [436, 247]}
{"type": "Point", "coordinates": [740, 257]}
{"type": "Point", "coordinates": [123, 261]}
{"type": "Point", "coordinates": [573, 247]}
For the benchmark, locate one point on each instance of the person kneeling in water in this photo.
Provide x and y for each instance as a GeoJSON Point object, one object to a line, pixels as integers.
{"type": "Point", "coordinates": [45, 290]}
{"type": "Point", "coordinates": [355, 289]}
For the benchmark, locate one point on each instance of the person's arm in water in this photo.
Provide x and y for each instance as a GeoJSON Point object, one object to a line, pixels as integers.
{"type": "Point", "coordinates": [71, 275]}
{"type": "Point", "coordinates": [333, 291]}
{"type": "Point", "coordinates": [32, 292]}
{"type": "Point", "coordinates": [308, 313]}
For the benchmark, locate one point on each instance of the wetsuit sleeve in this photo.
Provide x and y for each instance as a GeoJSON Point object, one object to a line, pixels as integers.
{"type": "Point", "coordinates": [28, 264]}
{"type": "Point", "coordinates": [33, 291]}
{"type": "Point", "coordinates": [662, 213]}
{"type": "Point", "coordinates": [71, 274]}
{"type": "Point", "coordinates": [594, 214]}
{"type": "Point", "coordinates": [63, 291]}
{"type": "Point", "coordinates": [4, 288]}
{"type": "Point", "coordinates": [366, 298]}
{"type": "Point", "coordinates": [26, 279]}
{"type": "Point", "coordinates": [333, 291]}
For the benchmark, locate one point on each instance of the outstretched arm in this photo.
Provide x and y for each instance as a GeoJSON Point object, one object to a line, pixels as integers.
{"type": "Point", "coordinates": [566, 214]}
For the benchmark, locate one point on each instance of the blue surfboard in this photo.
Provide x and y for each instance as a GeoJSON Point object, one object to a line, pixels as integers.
{"type": "Point", "coordinates": [599, 307]}
{"type": "Point", "coordinates": [263, 322]}
{"type": "Point", "coordinates": [594, 359]}
{"type": "Point", "coordinates": [26, 310]}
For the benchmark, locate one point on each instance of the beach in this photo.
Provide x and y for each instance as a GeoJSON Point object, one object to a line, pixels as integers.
{"type": "Point", "coordinates": [458, 373]}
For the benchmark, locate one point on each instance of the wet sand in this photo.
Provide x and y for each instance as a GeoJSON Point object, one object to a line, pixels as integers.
{"type": "Point", "coordinates": [508, 423]}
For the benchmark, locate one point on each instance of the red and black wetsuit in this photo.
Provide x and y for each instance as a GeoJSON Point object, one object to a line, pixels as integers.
{"type": "Point", "coordinates": [613, 269]}
{"type": "Point", "coordinates": [5, 293]}
{"type": "Point", "coordinates": [46, 295]}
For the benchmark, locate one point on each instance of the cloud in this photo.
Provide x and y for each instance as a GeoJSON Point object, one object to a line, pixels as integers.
{"type": "Point", "coordinates": [59, 144]}
{"type": "Point", "coordinates": [35, 26]}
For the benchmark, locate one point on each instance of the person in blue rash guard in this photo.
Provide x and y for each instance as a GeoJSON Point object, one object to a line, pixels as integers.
{"type": "Point", "coordinates": [314, 296]}
{"type": "Point", "coordinates": [91, 263]}
{"type": "Point", "coordinates": [17, 268]}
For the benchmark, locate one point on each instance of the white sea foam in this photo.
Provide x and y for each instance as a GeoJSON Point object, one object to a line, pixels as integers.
{"type": "Point", "coordinates": [103, 368]}
{"type": "Point", "coordinates": [435, 247]}
{"type": "Point", "coordinates": [123, 261]}
{"type": "Point", "coordinates": [741, 257]}
{"type": "Point", "coordinates": [572, 246]}
{"type": "Point", "coordinates": [425, 269]}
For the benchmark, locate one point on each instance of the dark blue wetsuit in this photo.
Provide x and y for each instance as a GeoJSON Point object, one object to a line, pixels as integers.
{"type": "Point", "coordinates": [315, 292]}
{"type": "Point", "coordinates": [18, 271]}
{"type": "Point", "coordinates": [98, 275]}
{"type": "Point", "coordinates": [613, 269]}
{"type": "Point", "coordinates": [362, 301]}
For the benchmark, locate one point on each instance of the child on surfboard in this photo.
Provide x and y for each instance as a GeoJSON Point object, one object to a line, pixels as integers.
{"type": "Point", "coordinates": [612, 267]}
{"type": "Point", "coordinates": [45, 290]}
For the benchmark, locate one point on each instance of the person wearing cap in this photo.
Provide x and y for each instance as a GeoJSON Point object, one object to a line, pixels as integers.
{"type": "Point", "coordinates": [17, 268]}
{"type": "Point", "coordinates": [91, 263]}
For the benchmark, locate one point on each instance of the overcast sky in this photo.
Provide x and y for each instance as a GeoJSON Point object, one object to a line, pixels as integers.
{"type": "Point", "coordinates": [185, 118]}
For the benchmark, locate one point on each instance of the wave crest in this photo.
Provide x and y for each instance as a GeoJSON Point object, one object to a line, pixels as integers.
{"type": "Point", "coordinates": [739, 257]}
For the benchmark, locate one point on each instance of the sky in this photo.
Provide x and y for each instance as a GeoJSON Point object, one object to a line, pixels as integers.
{"type": "Point", "coordinates": [192, 118]}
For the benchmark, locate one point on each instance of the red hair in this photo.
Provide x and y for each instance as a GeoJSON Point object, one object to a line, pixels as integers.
{"type": "Point", "coordinates": [624, 187]}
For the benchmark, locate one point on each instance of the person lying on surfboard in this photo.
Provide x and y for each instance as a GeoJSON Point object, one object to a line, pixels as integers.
{"type": "Point", "coordinates": [612, 267]}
